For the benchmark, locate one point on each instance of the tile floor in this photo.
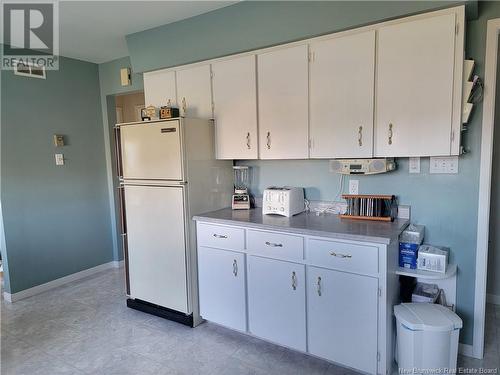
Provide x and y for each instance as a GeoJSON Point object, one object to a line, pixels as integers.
{"type": "Point", "coordinates": [85, 328]}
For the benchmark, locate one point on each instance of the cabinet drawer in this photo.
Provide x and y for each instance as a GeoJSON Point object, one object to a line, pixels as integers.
{"type": "Point", "coordinates": [275, 245]}
{"type": "Point", "coordinates": [343, 256]}
{"type": "Point", "coordinates": [220, 236]}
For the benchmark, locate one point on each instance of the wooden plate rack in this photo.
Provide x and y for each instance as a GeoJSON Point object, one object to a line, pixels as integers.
{"type": "Point", "coordinates": [370, 207]}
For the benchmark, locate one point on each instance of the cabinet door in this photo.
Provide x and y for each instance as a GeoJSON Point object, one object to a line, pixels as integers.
{"type": "Point", "coordinates": [276, 301]}
{"type": "Point", "coordinates": [414, 89]}
{"type": "Point", "coordinates": [283, 103]}
{"type": "Point", "coordinates": [235, 108]}
{"type": "Point", "coordinates": [221, 277]}
{"type": "Point", "coordinates": [159, 88]}
{"type": "Point", "coordinates": [342, 318]}
{"type": "Point", "coordinates": [194, 92]}
{"type": "Point", "coordinates": [342, 74]}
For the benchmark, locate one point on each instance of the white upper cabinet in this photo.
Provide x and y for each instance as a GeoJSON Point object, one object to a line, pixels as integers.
{"type": "Point", "coordinates": [235, 108]}
{"type": "Point", "coordinates": [194, 92]}
{"type": "Point", "coordinates": [342, 74]}
{"type": "Point", "coordinates": [283, 103]}
{"type": "Point", "coordinates": [159, 88]}
{"type": "Point", "coordinates": [416, 88]}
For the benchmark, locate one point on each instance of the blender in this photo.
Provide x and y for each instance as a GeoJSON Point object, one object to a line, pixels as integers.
{"type": "Point", "coordinates": [241, 198]}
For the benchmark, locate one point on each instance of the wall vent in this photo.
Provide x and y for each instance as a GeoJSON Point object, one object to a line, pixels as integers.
{"type": "Point", "coordinates": [29, 70]}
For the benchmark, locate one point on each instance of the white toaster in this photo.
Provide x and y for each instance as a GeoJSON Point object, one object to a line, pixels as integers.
{"type": "Point", "coordinates": [285, 201]}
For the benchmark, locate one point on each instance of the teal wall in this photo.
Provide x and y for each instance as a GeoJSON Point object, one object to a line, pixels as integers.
{"type": "Point", "coordinates": [446, 204]}
{"type": "Point", "coordinates": [110, 85]}
{"type": "Point", "coordinates": [56, 219]}
{"type": "Point", "coordinates": [256, 24]}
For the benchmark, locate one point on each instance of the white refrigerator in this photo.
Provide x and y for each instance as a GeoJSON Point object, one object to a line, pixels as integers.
{"type": "Point", "coordinates": [168, 173]}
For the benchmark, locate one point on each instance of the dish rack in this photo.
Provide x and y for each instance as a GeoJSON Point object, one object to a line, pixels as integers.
{"type": "Point", "coordinates": [370, 207]}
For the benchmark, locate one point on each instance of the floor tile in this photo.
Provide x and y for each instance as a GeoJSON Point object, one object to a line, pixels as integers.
{"type": "Point", "coordinates": [85, 327]}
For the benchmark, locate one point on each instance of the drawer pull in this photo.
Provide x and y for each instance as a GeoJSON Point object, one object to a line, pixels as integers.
{"type": "Point", "coordinates": [338, 255]}
{"type": "Point", "coordinates": [319, 286]}
{"type": "Point", "coordinates": [235, 268]}
{"type": "Point", "coordinates": [294, 281]}
{"type": "Point", "coordinates": [219, 235]}
{"type": "Point", "coordinates": [274, 244]}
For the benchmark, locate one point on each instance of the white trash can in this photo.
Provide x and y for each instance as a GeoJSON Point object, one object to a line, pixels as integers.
{"type": "Point", "coordinates": [427, 338]}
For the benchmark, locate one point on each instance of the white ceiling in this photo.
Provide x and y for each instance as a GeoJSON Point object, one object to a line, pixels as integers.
{"type": "Point", "coordinates": [95, 30]}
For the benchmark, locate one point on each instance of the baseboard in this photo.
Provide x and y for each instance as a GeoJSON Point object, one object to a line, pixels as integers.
{"type": "Point", "coordinates": [466, 350]}
{"type": "Point", "coordinates": [118, 263]}
{"type": "Point", "coordinates": [58, 282]}
{"type": "Point", "coordinates": [493, 298]}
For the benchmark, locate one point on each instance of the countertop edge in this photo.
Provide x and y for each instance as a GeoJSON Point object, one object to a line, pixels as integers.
{"type": "Point", "coordinates": [302, 231]}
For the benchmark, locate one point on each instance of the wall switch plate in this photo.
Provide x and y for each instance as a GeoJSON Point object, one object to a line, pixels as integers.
{"type": "Point", "coordinates": [444, 165]}
{"type": "Point", "coordinates": [414, 165]}
{"type": "Point", "coordinates": [59, 159]}
{"type": "Point", "coordinates": [353, 187]}
{"type": "Point", "coordinates": [404, 212]}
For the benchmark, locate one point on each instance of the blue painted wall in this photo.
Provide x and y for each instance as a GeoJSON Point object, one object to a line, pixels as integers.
{"type": "Point", "coordinates": [56, 219]}
{"type": "Point", "coordinates": [256, 24]}
{"type": "Point", "coordinates": [447, 205]}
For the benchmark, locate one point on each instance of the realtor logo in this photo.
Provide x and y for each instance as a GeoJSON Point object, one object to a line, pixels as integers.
{"type": "Point", "coordinates": [30, 34]}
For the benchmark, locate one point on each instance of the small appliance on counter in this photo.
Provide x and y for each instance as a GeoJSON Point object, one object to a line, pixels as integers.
{"type": "Point", "coordinates": [286, 201]}
{"type": "Point", "coordinates": [362, 166]}
{"type": "Point", "coordinates": [241, 198]}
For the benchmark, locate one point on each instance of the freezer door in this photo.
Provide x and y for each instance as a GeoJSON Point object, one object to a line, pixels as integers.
{"type": "Point", "coordinates": [156, 245]}
{"type": "Point", "coordinates": [152, 151]}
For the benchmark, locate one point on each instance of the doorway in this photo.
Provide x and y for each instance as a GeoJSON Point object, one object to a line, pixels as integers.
{"type": "Point", "coordinates": [121, 108]}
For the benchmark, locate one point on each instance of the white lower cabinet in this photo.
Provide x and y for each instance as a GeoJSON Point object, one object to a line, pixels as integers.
{"type": "Point", "coordinates": [221, 275]}
{"type": "Point", "coordinates": [342, 315]}
{"type": "Point", "coordinates": [333, 300]}
{"type": "Point", "coordinates": [276, 301]}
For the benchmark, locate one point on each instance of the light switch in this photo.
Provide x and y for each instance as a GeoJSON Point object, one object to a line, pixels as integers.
{"type": "Point", "coordinates": [353, 187]}
{"type": "Point", "coordinates": [444, 165]}
{"type": "Point", "coordinates": [59, 159]}
{"type": "Point", "coordinates": [414, 165]}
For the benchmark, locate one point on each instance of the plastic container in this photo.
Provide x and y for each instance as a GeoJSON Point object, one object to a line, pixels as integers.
{"type": "Point", "coordinates": [413, 234]}
{"type": "Point", "coordinates": [427, 338]}
{"type": "Point", "coordinates": [425, 293]}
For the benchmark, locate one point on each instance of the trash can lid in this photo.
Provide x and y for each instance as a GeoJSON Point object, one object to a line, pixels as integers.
{"type": "Point", "coordinates": [427, 317]}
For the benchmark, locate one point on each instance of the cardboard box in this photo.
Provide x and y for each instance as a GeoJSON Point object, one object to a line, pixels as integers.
{"type": "Point", "coordinates": [432, 258]}
{"type": "Point", "coordinates": [408, 254]}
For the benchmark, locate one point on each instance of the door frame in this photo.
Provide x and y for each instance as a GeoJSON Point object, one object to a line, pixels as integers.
{"type": "Point", "coordinates": [483, 217]}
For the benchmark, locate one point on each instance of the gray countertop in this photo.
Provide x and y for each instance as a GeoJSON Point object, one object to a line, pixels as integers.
{"type": "Point", "coordinates": [306, 223]}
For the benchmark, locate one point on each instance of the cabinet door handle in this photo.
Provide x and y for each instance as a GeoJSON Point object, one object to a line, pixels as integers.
{"type": "Point", "coordinates": [184, 105]}
{"type": "Point", "coordinates": [273, 244]}
{"type": "Point", "coordinates": [318, 284]}
{"type": "Point", "coordinates": [248, 141]}
{"type": "Point", "coordinates": [219, 235]}
{"type": "Point", "coordinates": [294, 281]}
{"type": "Point", "coordinates": [390, 134]}
{"type": "Point", "coordinates": [338, 255]}
{"type": "Point", "coordinates": [268, 140]}
{"type": "Point", "coordinates": [235, 268]}
{"type": "Point", "coordinates": [360, 136]}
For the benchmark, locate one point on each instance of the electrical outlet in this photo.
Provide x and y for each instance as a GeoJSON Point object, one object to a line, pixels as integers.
{"type": "Point", "coordinates": [444, 164]}
{"type": "Point", "coordinates": [353, 187]}
{"type": "Point", "coordinates": [414, 165]}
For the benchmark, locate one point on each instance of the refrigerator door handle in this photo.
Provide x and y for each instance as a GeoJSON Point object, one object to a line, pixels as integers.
{"type": "Point", "coordinates": [118, 152]}
{"type": "Point", "coordinates": [154, 183]}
